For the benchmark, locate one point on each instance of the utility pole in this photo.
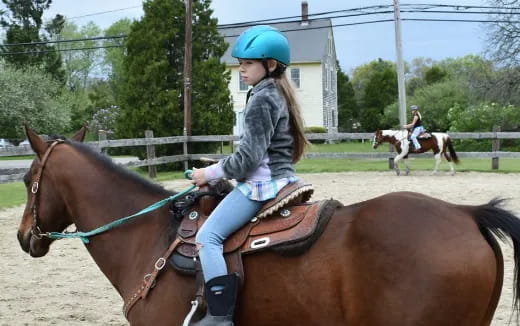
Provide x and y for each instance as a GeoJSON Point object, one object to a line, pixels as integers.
{"type": "Point", "coordinates": [187, 79]}
{"type": "Point", "coordinates": [400, 64]}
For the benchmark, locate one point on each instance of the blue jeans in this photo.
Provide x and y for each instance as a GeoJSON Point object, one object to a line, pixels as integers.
{"type": "Point", "coordinates": [233, 212]}
{"type": "Point", "coordinates": [416, 132]}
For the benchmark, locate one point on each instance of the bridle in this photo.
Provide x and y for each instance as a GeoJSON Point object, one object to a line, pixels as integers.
{"type": "Point", "coordinates": [35, 229]}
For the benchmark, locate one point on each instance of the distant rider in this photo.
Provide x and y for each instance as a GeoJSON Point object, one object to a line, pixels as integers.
{"type": "Point", "coordinates": [416, 126]}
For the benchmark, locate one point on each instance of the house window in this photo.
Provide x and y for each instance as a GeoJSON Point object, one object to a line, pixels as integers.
{"type": "Point", "coordinates": [327, 77]}
{"type": "Point", "coordinates": [295, 77]}
{"type": "Point", "coordinates": [242, 86]}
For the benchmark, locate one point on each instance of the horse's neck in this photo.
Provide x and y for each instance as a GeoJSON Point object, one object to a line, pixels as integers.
{"type": "Point", "coordinates": [124, 253]}
{"type": "Point", "coordinates": [396, 136]}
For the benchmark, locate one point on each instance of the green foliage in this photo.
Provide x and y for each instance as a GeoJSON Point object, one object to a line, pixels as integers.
{"type": "Point", "coordinates": [380, 91]}
{"type": "Point", "coordinates": [153, 74]}
{"type": "Point", "coordinates": [347, 105]}
{"type": "Point", "coordinates": [80, 65]}
{"type": "Point", "coordinates": [23, 21]}
{"type": "Point", "coordinates": [31, 96]}
{"type": "Point", "coordinates": [484, 117]}
{"type": "Point", "coordinates": [362, 75]}
{"type": "Point", "coordinates": [434, 75]}
{"type": "Point", "coordinates": [435, 101]}
{"type": "Point", "coordinates": [114, 57]}
{"type": "Point", "coordinates": [316, 130]}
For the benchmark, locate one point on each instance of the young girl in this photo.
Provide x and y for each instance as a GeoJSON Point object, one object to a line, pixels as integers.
{"type": "Point", "coordinates": [416, 126]}
{"type": "Point", "coordinates": [272, 141]}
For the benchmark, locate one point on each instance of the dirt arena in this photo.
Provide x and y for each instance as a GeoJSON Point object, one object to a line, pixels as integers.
{"type": "Point", "coordinates": [66, 287]}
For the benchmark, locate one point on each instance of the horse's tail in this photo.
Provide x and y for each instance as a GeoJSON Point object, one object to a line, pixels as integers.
{"type": "Point", "coordinates": [503, 224]}
{"type": "Point", "coordinates": [453, 154]}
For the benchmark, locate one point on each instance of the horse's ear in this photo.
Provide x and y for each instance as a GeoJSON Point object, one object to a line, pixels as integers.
{"type": "Point", "coordinates": [38, 144]}
{"type": "Point", "coordinates": [80, 134]}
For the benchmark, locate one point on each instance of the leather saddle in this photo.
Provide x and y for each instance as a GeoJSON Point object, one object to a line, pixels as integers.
{"type": "Point", "coordinates": [284, 220]}
{"type": "Point", "coordinates": [424, 135]}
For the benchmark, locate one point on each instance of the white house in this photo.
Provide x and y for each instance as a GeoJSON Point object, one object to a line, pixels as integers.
{"type": "Point", "coordinates": [313, 70]}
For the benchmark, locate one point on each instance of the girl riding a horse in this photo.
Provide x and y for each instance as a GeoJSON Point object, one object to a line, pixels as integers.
{"type": "Point", "coordinates": [273, 140]}
{"type": "Point", "coordinates": [416, 126]}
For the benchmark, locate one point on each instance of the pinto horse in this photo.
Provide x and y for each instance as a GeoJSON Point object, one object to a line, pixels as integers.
{"type": "Point", "coordinates": [378, 262]}
{"type": "Point", "coordinates": [438, 142]}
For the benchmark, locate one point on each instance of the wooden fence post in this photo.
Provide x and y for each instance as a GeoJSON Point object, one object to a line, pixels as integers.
{"type": "Point", "coordinates": [150, 154]}
{"type": "Point", "coordinates": [102, 135]}
{"type": "Point", "coordinates": [391, 149]}
{"type": "Point", "coordinates": [495, 147]}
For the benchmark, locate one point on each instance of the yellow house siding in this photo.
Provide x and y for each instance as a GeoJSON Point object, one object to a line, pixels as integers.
{"type": "Point", "coordinates": [309, 95]}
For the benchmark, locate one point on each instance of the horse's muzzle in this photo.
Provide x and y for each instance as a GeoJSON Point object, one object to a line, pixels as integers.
{"type": "Point", "coordinates": [32, 245]}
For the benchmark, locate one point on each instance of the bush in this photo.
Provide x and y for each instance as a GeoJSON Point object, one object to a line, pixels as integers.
{"type": "Point", "coordinates": [315, 130]}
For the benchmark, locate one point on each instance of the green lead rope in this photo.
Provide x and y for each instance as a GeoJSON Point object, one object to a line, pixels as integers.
{"type": "Point", "coordinates": [84, 236]}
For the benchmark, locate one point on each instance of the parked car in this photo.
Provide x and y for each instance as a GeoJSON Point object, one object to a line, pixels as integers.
{"type": "Point", "coordinates": [4, 143]}
{"type": "Point", "coordinates": [24, 143]}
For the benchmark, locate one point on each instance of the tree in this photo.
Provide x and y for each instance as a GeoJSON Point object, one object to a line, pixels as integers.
{"type": "Point", "coordinates": [114, 56]}
{"type": "Point", "coordinates": [80, 66]}
{"type": "Point", "coordinates": [31, 96]}
{"type": "Point", "coordinates": [434, 75]}
{"type": "Point", "coordinates": [153, 74]}
{"type": "Point", "coordinates": [23, 23]}
{"type": "Point", "coordinates": [362, 75]}
{"type": "Point", "coordinates": [347, 105]}
{"type": "Point", "coordinates": [503, 40]}
{"type": "Point", "coordinates": [380, 91]}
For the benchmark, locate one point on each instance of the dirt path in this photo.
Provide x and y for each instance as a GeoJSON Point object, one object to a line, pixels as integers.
{"type": "Point", "coordinates": [66, 287]}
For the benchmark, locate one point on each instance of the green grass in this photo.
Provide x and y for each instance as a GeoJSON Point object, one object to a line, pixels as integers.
{"type": "Point", "coordinates": [13, 194]}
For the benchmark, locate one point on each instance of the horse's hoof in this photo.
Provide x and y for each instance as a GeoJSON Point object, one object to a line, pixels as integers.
{"type": "Point", "coordinates": [397, 172]}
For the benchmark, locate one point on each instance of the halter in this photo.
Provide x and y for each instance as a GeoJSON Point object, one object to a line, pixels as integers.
{"type": "Point", "coordinates": [35, 229]}
{"type": "Point", "coordinates": [84, 236]}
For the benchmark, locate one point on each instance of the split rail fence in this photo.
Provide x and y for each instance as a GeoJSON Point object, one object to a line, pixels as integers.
{"type": "Point", "coordinates": [16, 174]}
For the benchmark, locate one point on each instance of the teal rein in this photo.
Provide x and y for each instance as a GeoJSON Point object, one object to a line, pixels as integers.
{"type": "Point", "coordinates": [84, 236]}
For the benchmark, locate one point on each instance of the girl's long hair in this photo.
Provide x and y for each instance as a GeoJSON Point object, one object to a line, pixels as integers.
{"type": "Point", "coordinates": [295, 116]}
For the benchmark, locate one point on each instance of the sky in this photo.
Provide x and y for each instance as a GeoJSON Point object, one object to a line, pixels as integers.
{"type": "Point", "coordinates": [355, 45]}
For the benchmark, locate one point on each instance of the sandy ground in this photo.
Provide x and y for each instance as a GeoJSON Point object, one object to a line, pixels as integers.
{"type": "Point", "coordinates": [66, 287]}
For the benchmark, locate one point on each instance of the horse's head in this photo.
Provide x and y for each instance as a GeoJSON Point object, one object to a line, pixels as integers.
{"type": "Point", "coordinates": [378, 138]}
{"type": "Point", "coordinates": [45, 211]}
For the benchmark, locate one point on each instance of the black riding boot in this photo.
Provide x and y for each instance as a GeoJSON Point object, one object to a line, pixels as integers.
{"type": "Point", "coordinates": [221, 303]}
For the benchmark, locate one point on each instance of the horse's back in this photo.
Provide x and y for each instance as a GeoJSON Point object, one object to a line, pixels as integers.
{"type": "Point", "coordinates": [399, 259]}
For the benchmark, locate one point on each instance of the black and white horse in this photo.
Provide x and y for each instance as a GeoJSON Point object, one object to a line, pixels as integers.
{"type": "Point", "coordinates": [439, 142]}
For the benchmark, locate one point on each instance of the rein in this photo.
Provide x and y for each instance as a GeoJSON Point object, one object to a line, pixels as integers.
{"type": "Point", "coordinates": [84, 236]}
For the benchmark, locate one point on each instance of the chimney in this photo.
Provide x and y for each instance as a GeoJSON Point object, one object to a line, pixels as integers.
{"type": "Point", "coordinates": [305, 13]}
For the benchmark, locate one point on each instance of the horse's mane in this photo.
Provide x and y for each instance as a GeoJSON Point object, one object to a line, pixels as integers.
{"type": "Point", "coordinates": [107, 163]}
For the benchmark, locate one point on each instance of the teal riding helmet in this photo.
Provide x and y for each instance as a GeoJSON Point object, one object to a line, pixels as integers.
{"type": "Point", "coordinates": [262, 42]}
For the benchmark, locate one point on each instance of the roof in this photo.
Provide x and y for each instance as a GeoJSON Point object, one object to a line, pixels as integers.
{"type": "Point", "coordinates": [308, 43]}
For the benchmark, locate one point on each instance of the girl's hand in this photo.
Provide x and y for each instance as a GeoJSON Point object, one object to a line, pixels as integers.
{"type": "Point", "coordinates": [198, 177]}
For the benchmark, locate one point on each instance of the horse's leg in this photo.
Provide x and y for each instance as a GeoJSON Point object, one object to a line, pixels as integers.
{"type": "Point", "coordinates": [407, 171]}
{"type": "Point", "coordinates": [396, 163]}
{"type": "Point", "coordinates": [437, 163]}
{"type": "Point", "coordinates": [448, 158]}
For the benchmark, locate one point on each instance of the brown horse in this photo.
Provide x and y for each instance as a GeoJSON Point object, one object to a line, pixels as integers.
{"type": "Point", "coordinates": [378, 262]}
{"type": "Point", "coordinates": [438, 142]}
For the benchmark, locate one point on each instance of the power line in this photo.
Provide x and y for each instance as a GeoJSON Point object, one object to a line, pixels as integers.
{"type": "Point", "coordinates": [103, 12]}
{"type": "Point", "coordinates": [360, 12]}
{"type": "Point", "coordinates": [68, 41]}
{"type": "Point", "coordinates": [61, 50]}
{"type": "Point", "coordinates": [274, 20]}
